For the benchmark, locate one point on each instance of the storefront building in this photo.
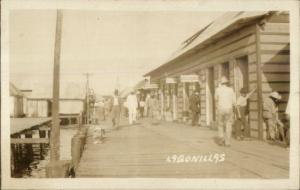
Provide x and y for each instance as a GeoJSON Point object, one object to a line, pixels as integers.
{"type": "Point", "coordinates": [250, 48]}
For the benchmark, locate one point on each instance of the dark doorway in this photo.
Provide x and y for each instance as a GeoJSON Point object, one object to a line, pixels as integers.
{"type": "Point", "coordinates": [225, 70]}
{"type": "Point", "coordinates": [242, 64]}
{"type": "Point", "coordinates": [242, 81]}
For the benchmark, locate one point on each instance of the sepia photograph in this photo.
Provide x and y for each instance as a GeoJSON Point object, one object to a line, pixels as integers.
{"type": "Point", "coordinates": [95, 94]}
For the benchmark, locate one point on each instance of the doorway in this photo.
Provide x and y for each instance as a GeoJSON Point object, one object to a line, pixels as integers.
{"type": "Point", "coordinates": [225, 70]}
{"type": "Point", "coordinates": [242, 78]}
{"type": "Point", "coordinates": [242, 81]}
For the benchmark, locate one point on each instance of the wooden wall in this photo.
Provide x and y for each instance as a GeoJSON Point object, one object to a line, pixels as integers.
{"type": "Point", "coordinates": [268, 47]}
{"type": "Point", "coordinates": [275, 57]}
{"type": "Point", "coordinates": [16, 106]}
{"type": "Point", "coordinates": [238, 44]}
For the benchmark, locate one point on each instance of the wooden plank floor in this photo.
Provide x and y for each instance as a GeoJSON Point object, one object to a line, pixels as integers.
{"type": "Point", "coordinates": [142, 151]}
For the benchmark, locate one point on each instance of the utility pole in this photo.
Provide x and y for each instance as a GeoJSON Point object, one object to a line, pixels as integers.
{"type": "Point", "coordinates": [56, 168]}
{"type": "Point", "coordinates": [55, 129]}
{"type": "Point", "coordinates": [87, 98]}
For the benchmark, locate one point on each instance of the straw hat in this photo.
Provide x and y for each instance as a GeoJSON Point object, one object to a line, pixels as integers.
{"type": "Point", "coordinates": [224, 80]}
{"type": "Point", "coordinates": [275, 95]}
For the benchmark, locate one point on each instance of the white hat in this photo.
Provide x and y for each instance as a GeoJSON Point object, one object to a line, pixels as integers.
{"type": "Point", "coordinates": [224, 80]}
{"type": "Point", "coordinates": [275, 95]}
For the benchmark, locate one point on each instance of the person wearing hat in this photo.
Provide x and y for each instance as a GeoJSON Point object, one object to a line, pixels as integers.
{"type": "Point", "coordinates": [225, 101]}
{"type": "Point", "coordinates": [195, 107]}
{"type": "Point", "coordinates": [270, 114]}
{"type": "Point", "coordinates": [241, 112]}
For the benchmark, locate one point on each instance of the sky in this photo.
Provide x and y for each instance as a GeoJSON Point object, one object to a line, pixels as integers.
{"type": "Point", "coordinates": [114, 47]}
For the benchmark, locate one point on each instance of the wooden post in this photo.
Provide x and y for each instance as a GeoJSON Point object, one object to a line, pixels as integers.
{"type": "Point", "coordinates": [259, 85]}
{"type": "Point", "coordinates": [87, 121]}
{"type": "Point", "coordinates": [55, 129]}
{"type": "Point", "coordinates": [56, 168]}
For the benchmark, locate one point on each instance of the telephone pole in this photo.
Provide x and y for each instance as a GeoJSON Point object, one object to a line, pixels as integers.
{"type": "Point", "coordinates": [56, 168]}
{"type": "Point", "coordinates": [87, 98]}
{"type": "Point", "coordinates": [55, 130]}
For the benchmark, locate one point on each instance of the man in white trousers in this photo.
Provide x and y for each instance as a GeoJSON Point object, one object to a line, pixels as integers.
{"type": "Point", "coordinates": [226, 100]}
{"type": "Point", "coordinates": [132, 105]}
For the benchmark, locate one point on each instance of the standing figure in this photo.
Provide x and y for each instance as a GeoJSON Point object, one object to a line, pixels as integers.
{"type": "Point", "coordinates": [142, 106]}
{"type": "Point", "coordinates": [242, 112]}
{"type": "Point", "coordinates": [154, 109]}
{"type": "Point", "coordinates": [116, 109]}
{"type": "Point", "coordinates": [146, 109]}
{"type": "Point", "coordinates": [107, 108]}
{"type": "Point", "coordinates": [132, 105]}
{"type": "Point", "coordinates": [99, 112]}
{"type": "Point", "coordinates": [288, 115]}
{"type": "Point", "coordinates": [226, 100]}
{"type": "Point", "coordinates": [194, 103]}
{"type": "Point", "coordinates": [270, 115]}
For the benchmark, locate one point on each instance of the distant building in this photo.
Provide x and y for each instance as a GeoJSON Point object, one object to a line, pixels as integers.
{"type": "Point", "coordinates": [252, 49]}
{"type": "Point", "coordinates": [17, 99]}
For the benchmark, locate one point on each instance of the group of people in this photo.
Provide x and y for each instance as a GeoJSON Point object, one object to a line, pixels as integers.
{"type": "Point", "coordinates": [231, 111]}
{"type": "Point", "coordinates": [234, 111]}
{"type": "Point", "coordinates": [135, 107]}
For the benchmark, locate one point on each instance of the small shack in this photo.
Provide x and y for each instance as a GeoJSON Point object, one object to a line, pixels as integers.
{"type": "Point", "coordinates": [250, 48]}
{"type": "Point", "coordinates": [38, 107]}
{"type": "Point", "coordinates": [17, 99]}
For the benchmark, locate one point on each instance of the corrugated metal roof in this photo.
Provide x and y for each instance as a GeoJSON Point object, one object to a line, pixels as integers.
{"type": "Point", "coordinates": [226, 23]}
{"type": "Point", "coordinates": [18, 125]}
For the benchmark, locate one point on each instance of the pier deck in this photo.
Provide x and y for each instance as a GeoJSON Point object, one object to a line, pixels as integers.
{"type": "Point", "coordinates": [147, 150]}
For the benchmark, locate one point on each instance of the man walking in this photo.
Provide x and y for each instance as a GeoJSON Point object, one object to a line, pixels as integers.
{"type": "Point", "coordinates": [195, 107]}
{"type": "Point", "coordinates": [226, 100]}
{"type": "Point", "coordinates": [116, 109]}
{"type": "Point", "coordinates": [132, 105]}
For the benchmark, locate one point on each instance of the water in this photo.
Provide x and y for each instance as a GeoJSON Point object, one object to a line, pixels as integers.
{"type": "Point", "coordinates": [31, 159]}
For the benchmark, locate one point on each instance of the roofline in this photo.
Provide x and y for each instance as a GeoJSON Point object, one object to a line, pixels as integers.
{"type": "Point", "coordinates": [186, 52]}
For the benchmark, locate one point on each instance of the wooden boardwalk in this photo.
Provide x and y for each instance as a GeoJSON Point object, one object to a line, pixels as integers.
{"type": "Point", "coordinates": [143, 150]}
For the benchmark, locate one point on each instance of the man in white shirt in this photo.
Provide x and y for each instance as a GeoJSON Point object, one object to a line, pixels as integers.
{"type": "Point", "coordinates": [226, 100]}
{"type": "Point", "coordinates": [132, 104]}
{"type": "Point", "coordinates": [242, 112]}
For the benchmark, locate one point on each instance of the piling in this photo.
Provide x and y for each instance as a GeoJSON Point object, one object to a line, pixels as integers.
{"type": "Point", "coordinates": [77, 146]}
{"type": "Point", "coordinates": [58, 169]}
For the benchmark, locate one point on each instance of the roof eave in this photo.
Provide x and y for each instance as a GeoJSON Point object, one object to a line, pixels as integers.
{"type": "Point", "coordinates": [204, 43]}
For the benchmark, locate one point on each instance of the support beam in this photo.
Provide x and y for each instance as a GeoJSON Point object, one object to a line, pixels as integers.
{"type": "Point", "coordinates": [259, 84]}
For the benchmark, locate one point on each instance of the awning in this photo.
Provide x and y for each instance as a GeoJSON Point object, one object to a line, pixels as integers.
{"type": "Point", "coordinates": [189, 78]}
